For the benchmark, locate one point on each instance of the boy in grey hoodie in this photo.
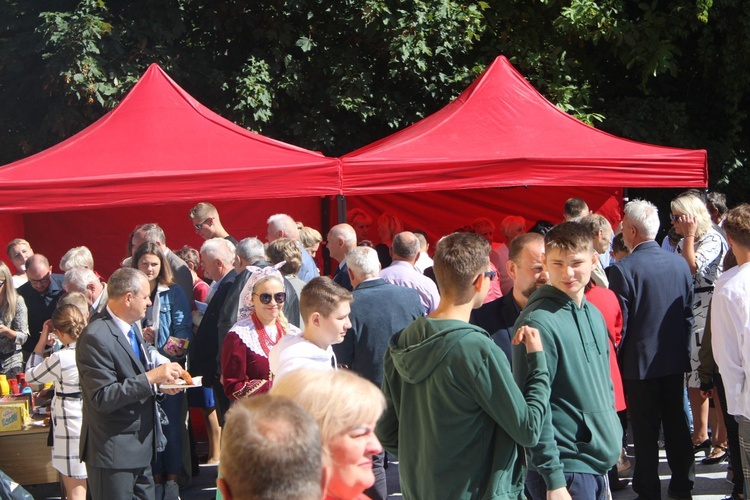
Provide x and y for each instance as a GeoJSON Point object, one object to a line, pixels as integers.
{"type": "Point", "coordinates": [581, 434]}
{"type": "Point", "coordinates": [455, 418]}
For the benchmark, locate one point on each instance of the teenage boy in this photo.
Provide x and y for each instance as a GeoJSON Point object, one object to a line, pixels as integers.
{"type": "Point", "coordinates": [581, 434]}
{"type": "Point", "coordinates": [324, 307]}
{"type": "Point", "coordinates": [455, 419]}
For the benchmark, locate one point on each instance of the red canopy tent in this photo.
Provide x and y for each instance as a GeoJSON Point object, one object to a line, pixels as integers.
{"type": "Point", "coordinates": [500, 132]}
{"type": "Point", "coordinates": [149, 160]}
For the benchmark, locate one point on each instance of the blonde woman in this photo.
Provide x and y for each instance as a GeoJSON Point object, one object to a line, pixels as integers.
{"type": "Point", "coordinates": [261, 324]}
{"type": "Point", "coordinates": [346, 407]}
{"type": "Point", "coordinates": [66, 324]}
{"type": "Point", "coordinates": [703, 248]}
{"type": "Point", "coordinates": [14, 325]}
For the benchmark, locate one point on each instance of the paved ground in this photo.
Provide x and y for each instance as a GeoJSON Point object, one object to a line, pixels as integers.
{"type": "Point", "coordinates": [710, 484]}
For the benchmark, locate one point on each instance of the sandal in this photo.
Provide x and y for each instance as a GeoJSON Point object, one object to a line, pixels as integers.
{"type": "Point", "coordinates": [718, 454]}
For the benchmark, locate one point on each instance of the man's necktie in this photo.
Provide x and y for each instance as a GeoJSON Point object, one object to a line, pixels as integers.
{"type": "Point", "coordinates": [134, 342]}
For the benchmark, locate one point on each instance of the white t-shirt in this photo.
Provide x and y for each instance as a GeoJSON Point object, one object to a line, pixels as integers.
{"type": "Point", "coordinates": [294, 352]}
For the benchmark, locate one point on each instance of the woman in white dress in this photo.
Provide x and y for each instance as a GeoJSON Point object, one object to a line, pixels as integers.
{"type": "Point", "coordinates": [704, 249]}
{"type": "Point", "coordinates": [67, 323]}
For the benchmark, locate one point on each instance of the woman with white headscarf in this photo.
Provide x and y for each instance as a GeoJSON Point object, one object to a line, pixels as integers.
{"type": "Point", "coordinates": [260, 325]}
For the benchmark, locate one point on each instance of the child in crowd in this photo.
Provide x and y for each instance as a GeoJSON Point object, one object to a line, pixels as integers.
{"type": "Point", "coordinates": [324, 307]}
{"type": "Point", "coordinates": [581, 436]}
{"type": "Point", "coordinates": [455, 419]}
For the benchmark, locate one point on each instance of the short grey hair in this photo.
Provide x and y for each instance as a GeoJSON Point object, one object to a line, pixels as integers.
{"type": "Point", "coordinates": [285, 223]}
{"type": "Point", "coordinates": [125, 280]}
{"type": "Point", "coordinates": [595, 223]}
{"type": "Point", "coordinates": [644, 216]}
{"type": "Point", "coordinates": [405, 245]}
{"type": "Point", "coordinates": [77, 257]}
{"type": "Point", "coordinates": [152, 233]}
{"type": "Point", "coordinates": [250, 249]}
{"type": "Point", "coordinates": [363, 261]}
{"type": "Point", "coordinates": [78, 278]}
{"type": "Point", "coordinates": [219, 248]}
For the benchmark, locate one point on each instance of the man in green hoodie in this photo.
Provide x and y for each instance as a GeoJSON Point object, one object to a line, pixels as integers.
{"type": "Point", "coordinates": [455, 418]}
{"type": "Point", "coordinates": [580, 438]}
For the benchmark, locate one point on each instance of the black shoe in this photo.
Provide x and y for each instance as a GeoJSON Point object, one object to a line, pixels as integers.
{"type": "Point", "coordinates": [618, 485]}
{"type": "Point", "coordinates": [679, 496]}
{"type": "Point", "coordinates": [718, 454]}
{"type": "Point", "coordinates": [705, 447]}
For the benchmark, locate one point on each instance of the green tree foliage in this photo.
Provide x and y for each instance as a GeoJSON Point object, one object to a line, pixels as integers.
{"type": "Point", "coordinates": [335, 75]}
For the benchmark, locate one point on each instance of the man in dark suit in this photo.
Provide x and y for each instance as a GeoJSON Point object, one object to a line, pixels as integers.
{"type": "Point", "coordinates": [379, 310]}
{"type": "Point", "coordinates": [217, 258]}
{"type": "Point", "coordinates": [526, 269]}
{"type": "Point", "coordinates": [41, 294]}
{"type": "Point", "coordinates": [341, 240]}
{"type": "Point", "coordinates": [117, 385]}
{"type": "Point", "coordinates": [85, 281]}
{"type": "Point", "coordinates": [656, 295]}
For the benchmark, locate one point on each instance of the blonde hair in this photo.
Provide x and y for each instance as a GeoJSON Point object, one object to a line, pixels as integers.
{"type": "Point", "coordinates": [8, 309]}
{"type": "Point", "coordinates": [692, 205]}
{"type": "Point", "coordinates": [309, 237]}
{"type": "Point", "coordinates": [282, 319]}
{"type": "Point", "coordinates": [339, 400]}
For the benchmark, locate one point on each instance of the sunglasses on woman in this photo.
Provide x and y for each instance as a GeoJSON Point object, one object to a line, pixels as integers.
{"type": "Point", "coordinates": [265, 298]}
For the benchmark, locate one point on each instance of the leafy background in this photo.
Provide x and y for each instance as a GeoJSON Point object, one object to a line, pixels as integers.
{"type": "Point", "coordinates": [334, 75]}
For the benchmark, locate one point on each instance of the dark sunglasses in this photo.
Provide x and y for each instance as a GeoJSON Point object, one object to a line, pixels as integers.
{"type": "Point", "coordinates": [265, 298]}
{"type": "Point", "coordinates": [674, 217]}
{"type": "Point", "coordinates": [198, 227]}
{"type": "Point", "coordinates": [492, 275]}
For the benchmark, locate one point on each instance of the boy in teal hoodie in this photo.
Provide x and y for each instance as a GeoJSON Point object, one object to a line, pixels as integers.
{"type": "Point", "coordinates": [455, 418]}
{"type": "Point", "coordinates": [581, 434]}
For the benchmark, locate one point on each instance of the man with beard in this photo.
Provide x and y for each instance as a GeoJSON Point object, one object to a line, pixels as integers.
{"type": "Point", "coordinates": [527, 272]}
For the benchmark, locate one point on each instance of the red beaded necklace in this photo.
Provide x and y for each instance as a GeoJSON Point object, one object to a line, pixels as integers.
{"type": "Point", "coordinates": [265, 340]}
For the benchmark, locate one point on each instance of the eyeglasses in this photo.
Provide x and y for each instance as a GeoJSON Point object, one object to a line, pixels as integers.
{"type": "Point", "coordinates": [265, 298]}
{"type": "Point", "coordinates": [2, 284]}
{"type": "Point", "coordinates": [43, 280]}
{"type": "Point", "coordinates": [199, 226]}
{"type": "Point", "coordinates": [674, 217]}
{"type": "Point", "coordinates": [491, 275]}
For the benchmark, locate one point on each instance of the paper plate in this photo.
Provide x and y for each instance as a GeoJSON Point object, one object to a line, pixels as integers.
{"type": "Point", "coordinates": [197, 382]}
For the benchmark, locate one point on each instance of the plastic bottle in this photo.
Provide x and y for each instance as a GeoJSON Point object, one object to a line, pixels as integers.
{"type": "Point", "coordinates": [13, 383]}
{"type": "Point", "coordinates": [4, 386]}
{"type": "Point", "coordinates": [21, 377]}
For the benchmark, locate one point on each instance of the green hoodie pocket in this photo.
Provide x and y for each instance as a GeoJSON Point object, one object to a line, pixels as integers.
{"type": "Point", "coordinates": [600, 439]}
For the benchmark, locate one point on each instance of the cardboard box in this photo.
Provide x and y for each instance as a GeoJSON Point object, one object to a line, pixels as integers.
{"type": "Point", "coordinates": [13, 416]}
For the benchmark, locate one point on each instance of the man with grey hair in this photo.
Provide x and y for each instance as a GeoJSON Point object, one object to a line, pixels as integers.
{"type": "Point", "coordinates": [77, 257]}
{"type": "Point", "coordinates": [401, 272]}
{"type": "Point", "coordinates": [283, 226]}
{"type": "Point", "coordinates": [217, 261]}
{"type": "Point", "coordinates": [341, 239]}
{"type": "Point", "coordinates": [379, 310]}
{"type": "Point", "coordinates": [601, 232]}
{"type": "Point", "coordinates": [118, 388]}
{"type": "Point", "coordinates": [152, 233]}
{"type": "Point", "coordinates": [273, 429]}
{"type": "Point", "coordinates": [85, 281]}
{"type": "Point", "coordinates": [655, 290]}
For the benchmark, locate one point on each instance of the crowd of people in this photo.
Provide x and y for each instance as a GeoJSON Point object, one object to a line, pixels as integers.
{"type": "Point", "coordinates": [508, 369]}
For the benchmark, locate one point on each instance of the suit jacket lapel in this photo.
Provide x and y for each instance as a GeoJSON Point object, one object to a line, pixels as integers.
{"type": "Point", "coordinates": [124, 342]}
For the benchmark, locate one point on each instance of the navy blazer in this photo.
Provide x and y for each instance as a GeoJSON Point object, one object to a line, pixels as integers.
{"type": "Point", "coordinates": [655, 289]}
{"type": "Point", "coordinates": [342, 277]}
{"type": "Point", "coordinates": [378, 312]}
{"type": "Point", "coordinates": [118, 402]}
{"type": "Point", "coordinates": [204, 348]}
{"type": "Point", "coordinates": [497, 318]}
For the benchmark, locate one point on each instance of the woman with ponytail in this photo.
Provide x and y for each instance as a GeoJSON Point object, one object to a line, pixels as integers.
{"type": "Point", "coordinates": [66, 324]}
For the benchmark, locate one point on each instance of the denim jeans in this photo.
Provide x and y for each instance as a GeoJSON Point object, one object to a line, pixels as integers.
{"type": "Point", "coordinates": [580, 486]}
{"type": "Point", "coordinates": [170, 460]}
